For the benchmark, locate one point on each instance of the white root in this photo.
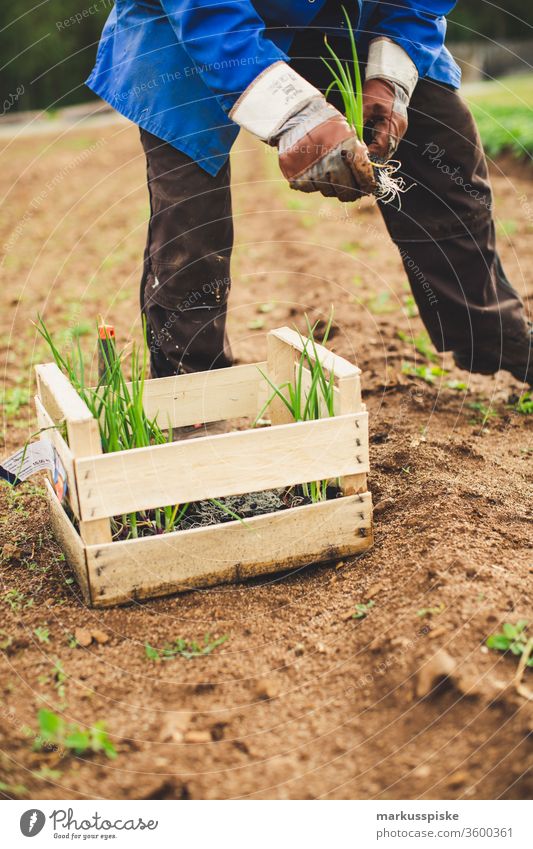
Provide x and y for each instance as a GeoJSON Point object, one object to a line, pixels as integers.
{"type": "Point", "coordinates": [389, 187]}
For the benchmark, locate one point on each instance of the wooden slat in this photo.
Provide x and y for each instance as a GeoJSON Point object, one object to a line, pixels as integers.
{"type": "Point", "coordinates": [59, 396]}
{"type": "Point", "coordinates": [84, 438]}
{"type": "Point", "coordinates": [350, 402]}
{"type": "Point", "coordinates": [51, 432]}
{"type": "Point", "coordinates": [136, 569]}
{"type": "Point", "coordinates": [207, 396]}
{"type": "Point", "coordinates": [62, 403]}
{"type": "Point", "coordinates": [281, 359]}
{"type": "Point", "coordinates": [227, 464]}
{"type": "Point", "coordinates": [330, 361]}
{"type": "Point", "coordinates": [69, 540]}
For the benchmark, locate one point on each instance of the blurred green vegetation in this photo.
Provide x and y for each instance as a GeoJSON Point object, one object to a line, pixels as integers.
{"type": "Point", "coordinates": [47, 52]}
{"type": "Point", "coordinates": [503, 110]}
{"type": "Point", "coordinates": [474, 19]}
{"type": "Point", "coordinates": [48, 48]}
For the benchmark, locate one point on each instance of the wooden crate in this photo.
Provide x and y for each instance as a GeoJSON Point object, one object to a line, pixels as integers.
{"type": "Point", "coordinates": [104, 485]}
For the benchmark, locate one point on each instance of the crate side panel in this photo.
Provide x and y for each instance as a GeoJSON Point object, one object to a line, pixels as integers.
{"type": "Point", "coordinates": [45, 422]}
{"type": "Point", "coordinates": [154, 566]}
{"type": "Point", "coordinates": [69, 540]}
{"type": "Point", "coordinates": [208, 396]}
{"type": "Point", "coordinates": [216, 466]}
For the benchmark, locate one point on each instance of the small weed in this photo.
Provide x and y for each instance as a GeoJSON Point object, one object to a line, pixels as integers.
{"type": "Point", "coordinates": [72, 641]}
{"type": "Point", "coordinates": [256, 324]}
{"type": "Point", "coordinates": [431, 611]}
{"type": "Point", "coordinates": [184, 648]}
{"type": "Point", "coordinates": [483, 413]}
{"type": "Point", "coordinates": [54, 731]}
{"type": "Point", "coordinates": [15, 599]}
{"type": "Point", "coordinates": [409, 306]}
{"type": "Point", "coordinates": [47, 774]}
{"type": "Point", "coordinates": [12, 399]}
{"type": "Point", "coordinates": [513, 638]}
{"type": "Point", "coordinates": [429, 374]}
{"type": "Point", "coordinates": [350, 247]}
{"type": "Point", "coordinates": [422, 343]}
{"type": "Point", "coordinates": [363, 609]}
{"type": "Point", "coordinates": [381, 304]}
{"type": "Point", "coordinates": [42, 634]}
{"type": "Point", "coordinates": [457, 385]}
{"type": "Point", "coordinates": [60, 677]}
{"type": "Point", "coordinates": [507, 227]}
{"type": "Point", "coordinates": [266, 308]}
{"type": "Point", "coordinates": [295, 203]}
{"type": "Point", "coordinates": [524, 404]}
{"type": "Point", "coordinates": [13, 789]}
{"type": "Point", "coordinates": [6, 640]}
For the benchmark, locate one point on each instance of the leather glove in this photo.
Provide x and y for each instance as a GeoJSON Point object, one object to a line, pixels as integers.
{"type": "Point", "coordinates": [390, 79]}
{"type": "Point", "coordinates": [318, 150]}
{"type": "Point", "coordinates": [385, 114]}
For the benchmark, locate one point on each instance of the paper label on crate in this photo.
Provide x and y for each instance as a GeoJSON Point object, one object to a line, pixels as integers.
{"type": "Point", "coordinates": [33, 458]}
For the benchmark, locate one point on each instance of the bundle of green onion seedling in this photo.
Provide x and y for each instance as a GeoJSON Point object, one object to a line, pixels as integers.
{"type": "Point", "coordinates": [117, 405]}
{"type": "Point", "coordinates": [308, 401]}
{"type": "Point", "coordinates": [349, 84]}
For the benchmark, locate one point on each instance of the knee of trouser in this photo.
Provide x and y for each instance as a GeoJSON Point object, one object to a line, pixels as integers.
{"type": "Point", "coordinates": [180, 291]}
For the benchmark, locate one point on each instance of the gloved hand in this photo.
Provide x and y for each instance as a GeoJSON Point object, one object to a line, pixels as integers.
{"type": "Point", "coordinates": [390, 79]}
{"type": "Point", "coordinates": [385, 114]}
{"type": "Point", "coordinates": [318, 150]}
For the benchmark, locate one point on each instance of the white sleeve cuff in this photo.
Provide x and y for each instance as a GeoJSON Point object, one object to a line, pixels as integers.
{"type": "Point", "coordinates": [388, 60]}
{"type": "Point", "coordinates": [275, 95]}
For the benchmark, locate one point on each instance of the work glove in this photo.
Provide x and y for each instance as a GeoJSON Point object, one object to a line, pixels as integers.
{"type": "Point", "coordinates": [390, 79]}
{"type": "Point", "coordinates": [318, 150]}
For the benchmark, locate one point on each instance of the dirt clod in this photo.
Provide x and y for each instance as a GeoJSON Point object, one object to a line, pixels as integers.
{"type": "Point", "coordinates": [100, 636]}
{"type": "Point", "coordinates": [434, 672]}
{"type": "Point", "coordinates": [266, 688]}
{"type": "Point", "coordinates": [83, 637]}
{"type": "Point", "coordinates": [375, 590]}
{"type": "Point", "coordinates": [197, 737]}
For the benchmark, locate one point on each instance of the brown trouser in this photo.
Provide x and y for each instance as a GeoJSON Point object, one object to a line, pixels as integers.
{"type": "Point", "coordinates": [444, 232]}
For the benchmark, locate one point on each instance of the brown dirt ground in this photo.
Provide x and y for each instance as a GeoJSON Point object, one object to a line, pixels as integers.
{"type": "Point", "coordinates": [453, 523]}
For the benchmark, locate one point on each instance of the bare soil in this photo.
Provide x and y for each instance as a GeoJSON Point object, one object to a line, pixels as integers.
{"type": "Point", "coordinates": [301, 701]}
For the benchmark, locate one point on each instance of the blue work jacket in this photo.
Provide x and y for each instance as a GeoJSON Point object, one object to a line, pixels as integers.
{"type": "Point", "coordinates": [176, 67]}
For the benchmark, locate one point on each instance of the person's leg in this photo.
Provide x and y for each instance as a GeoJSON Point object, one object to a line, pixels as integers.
{"type": "Point", "coordinates": [186, 279]}
{"type": "Point", "coordinates": [445, 235]}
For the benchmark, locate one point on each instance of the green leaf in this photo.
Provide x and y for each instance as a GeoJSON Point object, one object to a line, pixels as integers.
{"type": "Point", "coordinates": [78, 740]}
{"type": "Point", "coordinates": [498, 642]}
{"type": "Point", "coordinates": [151, 653]}
{"type": "Point", "coordinates": [100, 741]}
{"type": "Point", "coordinates": [50, 724]}
{"type": "Point", "coordinates": [510, 630]}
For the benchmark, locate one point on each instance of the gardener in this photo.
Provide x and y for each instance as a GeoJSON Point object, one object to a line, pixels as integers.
{"type": "Point", "coordinates": [190, 73]}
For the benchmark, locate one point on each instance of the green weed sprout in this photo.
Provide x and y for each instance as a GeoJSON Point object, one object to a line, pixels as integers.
{"type": "Point", "coordinates": [54, 731]}
{"type": "Point", "coordinates": [513, 638]}
{"type": "Point", "coordinates": [307, 404]}
{"type": "Point", "coordinates": [347, 80]}
{"type": "Point", "coordinates": [188, 649]}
